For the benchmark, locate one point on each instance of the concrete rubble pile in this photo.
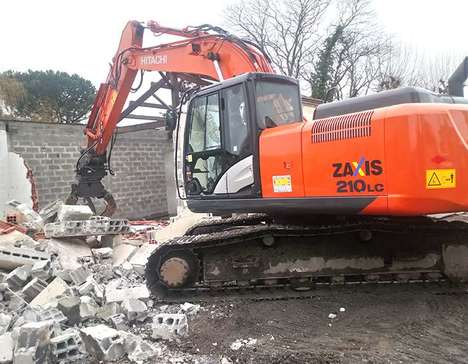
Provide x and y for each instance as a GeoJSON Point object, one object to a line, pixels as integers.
{"type": "Point", "coordinates": [75, 292]}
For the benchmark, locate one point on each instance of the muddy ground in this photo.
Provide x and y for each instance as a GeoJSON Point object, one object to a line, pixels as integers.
{"type": "Point", "coordinates": [391, 324]}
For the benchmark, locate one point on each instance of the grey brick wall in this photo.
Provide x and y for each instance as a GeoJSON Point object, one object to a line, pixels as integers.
{"type": "Point", "coordinates": [141, 183]}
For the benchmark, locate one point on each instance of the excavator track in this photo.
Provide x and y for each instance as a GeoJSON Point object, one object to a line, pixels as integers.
{"type": "Point", "coordinates": [256, 257]}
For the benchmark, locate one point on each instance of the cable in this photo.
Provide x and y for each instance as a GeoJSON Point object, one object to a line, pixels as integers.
{"type": "Point", "coordinates": [84, 153]}
{"type": "Point", "coordinates": [109, 156]}
{"type": "Point", "coordinates": [133, 90]}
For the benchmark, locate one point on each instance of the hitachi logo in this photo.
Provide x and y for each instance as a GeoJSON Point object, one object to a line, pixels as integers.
{"type": "Point", "coordinates": [160, 59]}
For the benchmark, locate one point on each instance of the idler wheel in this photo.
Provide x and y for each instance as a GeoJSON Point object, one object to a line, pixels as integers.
{"type": "Point", "coordinates": [179, 269]}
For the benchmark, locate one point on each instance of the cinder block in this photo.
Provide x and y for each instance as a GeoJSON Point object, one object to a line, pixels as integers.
{"type": "Point", "coordinates": [135, 310]}
{"type": "Point", "coordinates": [33, 288]}
{"type": "Point", "coordinates": [47, 314]}
{"type": "Point", "coordinates": [18, 277]}
{"type": "Point", "coordinates": [168, 326]}
{"type": "Point", "coordinates": [118, 322]}
{"type": "Point", "coordinates": [79, 275]}
{"type": "Point", "coordinates": [74, 213]}
{"type": "Point", "coordinates": [16, 303]}
{"type": "Point", "coordinates": [68, 347]}
{"type": "Point", "coordinates": [103, 342]}
{"type": "Point", "coordinates": [30, 218]}
{"type": "Point", "coordinates": [13, 257]}
{"type": "Point", "coordinates": [97, 225]}
{"type": "Point", "coordinates": [49, 212]}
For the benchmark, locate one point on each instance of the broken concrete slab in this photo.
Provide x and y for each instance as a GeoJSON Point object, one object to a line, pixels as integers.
{"type": "Point", "coordinates": [168, 326]}
{"type": "Point", "coordinates": [17, 239]}
{"type": "Point", "coordinates": [70, 307]}
{"type": "Point", "coordinates": [125, 270]}
{"type": "Point", "coordinates": [5, 322]}
{"type": "Point", "coordinates": [139, 350]}
{"type": "Point", "coordinates": [103, 342]}
{"type": "Point", "coordinates": [69, 254]}
{"type": "Point", "coordinates": [18, 277]}
{"type": "Point", "coordinates": [32, 343]}
{"type": "Point", "coordinates": [13, 257]}
{"type": "Point", "coordinates": [97, 225]}
{"type": "Point", "coordinates": [7, 346]}
{"type": "Point", "coordinates": [88, 308]}
{"type": "Point", "coordinates": [134, 309]}
{"type": "Point", "coordinates": [140, 257]}
{"type": "Point", "coordinates": [122, 253]}
{"type": "Point", "coordinates": [102, 253]}
{"type": "Point", "coordinates": [189, 308]}
{"type": "Point", "coordinates": [108, 310]}
{"type": "Point", "coordinates": [178, 226]}
{"type": "Point", "coordinates": [42, 270]}
{"type": "Point", "coordinates": [49, 295]}
{"type": "Point", "coordinates": [119, 295]}
{"type": "Point", "coordinates": [74, 213]}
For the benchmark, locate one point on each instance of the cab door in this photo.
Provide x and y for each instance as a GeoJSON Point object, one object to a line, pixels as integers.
{"type": "Point", "coordinates": [218, 145]}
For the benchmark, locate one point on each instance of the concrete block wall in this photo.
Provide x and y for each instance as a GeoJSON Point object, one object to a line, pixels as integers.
{"type": "Point", "coordinates": [141, 185]}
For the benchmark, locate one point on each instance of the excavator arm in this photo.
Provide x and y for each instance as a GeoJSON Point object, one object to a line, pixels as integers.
{"type": "Point", "coordinates": [204, 54]}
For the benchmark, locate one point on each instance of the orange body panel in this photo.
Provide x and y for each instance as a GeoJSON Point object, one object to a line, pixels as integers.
{"type": "Point", "coordinates": [383, 154]}
{"type": "Point", "coordinates": [281, 155]}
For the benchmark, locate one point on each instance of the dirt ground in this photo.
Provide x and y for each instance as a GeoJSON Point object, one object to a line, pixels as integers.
{"type": "Point", "coordinates": [391, 324]}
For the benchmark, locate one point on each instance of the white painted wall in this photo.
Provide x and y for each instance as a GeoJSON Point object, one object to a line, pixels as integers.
{"type": "Point", "coordinates": [14, 184]}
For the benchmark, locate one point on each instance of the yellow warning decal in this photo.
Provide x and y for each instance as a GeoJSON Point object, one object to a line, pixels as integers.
{"type": "Point", "coordinates": [282, 184]}
{"type": "Point", "coordinates": [441, 178]}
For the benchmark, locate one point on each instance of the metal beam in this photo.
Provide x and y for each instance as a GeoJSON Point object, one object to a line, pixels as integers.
{"type": "Point", "coordinates": [146, 117]}
{"type": "Point", "coordinates": [150, 105]}
{"type": "Point", "coordinates": [155, 86]}
{"type": "Point", "coordinates": [161, 101]}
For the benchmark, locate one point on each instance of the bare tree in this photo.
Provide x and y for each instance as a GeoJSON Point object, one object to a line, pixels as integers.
{"type": "Point", "coordinates": [349, 57]}
{"type": "Point", "coordinates": [287, 31]}
{"type": "Point", "coordinates": [408, 66]}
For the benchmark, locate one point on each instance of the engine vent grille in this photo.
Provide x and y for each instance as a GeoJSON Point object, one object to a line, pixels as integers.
{"type": "Point", "coordinates": [342, 127]}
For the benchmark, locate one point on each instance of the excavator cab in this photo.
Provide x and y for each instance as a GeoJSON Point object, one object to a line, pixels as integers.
{"type": "Point", "coordinates": [221, 135]}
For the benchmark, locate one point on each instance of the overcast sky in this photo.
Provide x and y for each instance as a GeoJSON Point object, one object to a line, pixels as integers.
{"type": "Point", "coordinates": [81, 36]}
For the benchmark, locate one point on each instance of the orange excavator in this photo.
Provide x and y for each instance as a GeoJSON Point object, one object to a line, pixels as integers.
{"type": "Point", "coordinates": [342, 198]}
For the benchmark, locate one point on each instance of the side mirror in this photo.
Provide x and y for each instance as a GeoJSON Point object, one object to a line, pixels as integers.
{"type": "Point", "coordinates": [171, 119]}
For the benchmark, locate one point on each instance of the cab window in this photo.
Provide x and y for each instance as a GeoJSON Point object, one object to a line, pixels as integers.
{"type": "Point", "coordinates": [277, 104]}
{"type": "Point", "coordinates": [236, 121]}
{"type": "Point", "coordinates": [205, 132]}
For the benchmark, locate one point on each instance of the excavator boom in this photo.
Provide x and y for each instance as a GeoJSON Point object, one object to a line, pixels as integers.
{"type": "Point", "coordinates": [205, 54]}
